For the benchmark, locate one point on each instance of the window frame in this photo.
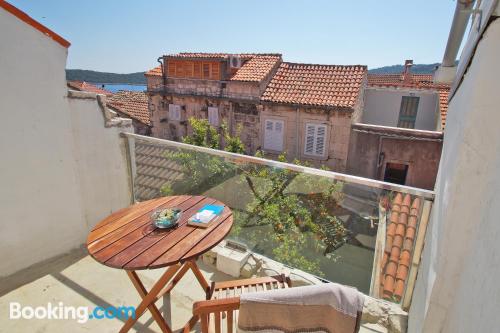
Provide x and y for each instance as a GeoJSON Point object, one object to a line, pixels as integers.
{"type": "Point", "coordinates": [170, 112]}
{"type": "Point", "coordinates": [314, 153]}
{"type": "Point", "coordinates": [408, 117]}
{"type": "Point", "coordinates": [274, 121]}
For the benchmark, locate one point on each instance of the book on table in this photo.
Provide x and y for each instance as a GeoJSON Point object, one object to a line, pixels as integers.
{"type": "Point", "coordinates": [205, 216]}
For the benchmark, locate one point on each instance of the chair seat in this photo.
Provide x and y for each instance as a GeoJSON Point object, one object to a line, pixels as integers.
{"type": "Point", "coordinates": [227, 289]}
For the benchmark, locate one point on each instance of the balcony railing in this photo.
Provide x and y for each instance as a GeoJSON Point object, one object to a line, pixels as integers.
{"type": "Point", "coordinates": [352, 230]}
{"type": "Point", "coordinates": [199, 91]}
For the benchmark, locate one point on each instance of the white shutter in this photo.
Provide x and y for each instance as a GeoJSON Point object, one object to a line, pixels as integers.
{"type": "Point", "coordinates": [309, 144]}
{"type": "Point", "coordinates": [320, 140]}
{"type": "Point", "coordinates": [273, 135]}
{"type": "Point", "coordinates": [315, 140]}
{"type": "Point", "coordinates": [174, 112]}
{"type": "Point", "coordinates": [213, 116]}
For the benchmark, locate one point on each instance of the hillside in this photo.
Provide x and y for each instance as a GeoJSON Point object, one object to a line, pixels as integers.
{"type": "Point", "coordinates": [394, 69]}
{"type": "Point", "coordinates": [138, 78]}
{"type": "Point", "coordinates": [103, 77]}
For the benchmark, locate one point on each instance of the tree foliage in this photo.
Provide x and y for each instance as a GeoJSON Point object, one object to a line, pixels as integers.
{"type": "Point", "coordinates": [290, 210]}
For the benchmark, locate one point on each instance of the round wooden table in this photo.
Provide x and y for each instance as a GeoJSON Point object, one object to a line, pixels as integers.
{"type": "Point", "coordinates": [127, 239]}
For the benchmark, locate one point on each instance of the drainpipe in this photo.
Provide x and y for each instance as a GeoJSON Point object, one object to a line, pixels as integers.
{"type": "Point", "coordinates": [447, 69]}
{"type": "Point", "coordinates": [297, 140]}
{"type": "Point", "coordinates": [164, 78]}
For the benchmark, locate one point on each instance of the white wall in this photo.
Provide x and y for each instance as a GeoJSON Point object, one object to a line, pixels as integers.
{"type": "Point", "coordinates": [58, 161]}
{"type": "Point", "coordinates": [458, 286]}
{"type": "Point", "coordinates": [382, 106]}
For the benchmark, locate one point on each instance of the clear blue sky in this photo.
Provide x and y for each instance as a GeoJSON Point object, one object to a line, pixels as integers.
{"type": "Point", "coordinates": [128, 36]}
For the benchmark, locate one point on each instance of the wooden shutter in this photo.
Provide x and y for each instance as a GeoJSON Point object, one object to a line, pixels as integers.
{"type": "Point", "coordinates": [215, 71]}
{"type": "Point", "coordinates": [315, 140]}
{"type": "Point", "coordinates": [273, 134]}
{"type": "Point", "coordinates": [197, 70]}
{"type": "Point", "coordinates": [171, 68]}
{"type": "Point", "coordinates": [408, 111]}
{"type": "Point", "coordinates": [206, 70]}
{"type": "Point", "coordinates": [213, 116]}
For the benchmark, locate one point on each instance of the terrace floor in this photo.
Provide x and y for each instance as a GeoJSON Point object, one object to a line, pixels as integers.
{"type": "Point", "coordinates": [78, 280]}
{"type": "Point", "coordinates": [75, 279]}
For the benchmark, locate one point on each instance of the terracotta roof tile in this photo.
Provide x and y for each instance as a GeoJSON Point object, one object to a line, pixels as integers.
{"type": "Point", "coordinates": [256, 69]}
{"type": "Point", "coordinates": [131, 103]}
{"type": "Point", "coordinates": [316, 85]}
{"type": "Point", "coordinates": [400, 237]}
{"type": "Point", "coordinates": [154, 71]}
{"type": "Point", "coordinates": [85, 86]}
{"type": "Point", "coordinates": [417, 81]}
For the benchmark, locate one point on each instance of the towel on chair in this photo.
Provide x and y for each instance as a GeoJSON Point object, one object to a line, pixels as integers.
{"type": "Point", "coordinates": [329, 307]}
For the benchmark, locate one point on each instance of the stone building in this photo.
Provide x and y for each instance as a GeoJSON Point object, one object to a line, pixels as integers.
{"type": "Point", "coordinates": [399, 137]}
{"type": "Point", "coordinates": [302, 110]}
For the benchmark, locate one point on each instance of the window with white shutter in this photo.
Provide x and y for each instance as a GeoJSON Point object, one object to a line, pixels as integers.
{"type": "Point", "coordinates": [273, 134]}
{"type": "Point", "coordinates": [174, 112]}
{"type": "Point", "coordinates": [213, 116]}
{"type": "Point", "coordinates": [315, 140]}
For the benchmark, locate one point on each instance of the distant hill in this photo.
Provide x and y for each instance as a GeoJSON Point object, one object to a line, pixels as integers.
{"type": "Point", "coordinates": [138, 78]}
{"type": "Point", "coordinates": [103, 77]}
{"type": "Point", "coordinates": [396, 69]}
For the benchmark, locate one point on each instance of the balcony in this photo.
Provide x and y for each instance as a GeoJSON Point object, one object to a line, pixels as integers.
{"type": "Point", "coordinates": [314, 225]}
{"type": "Point", "coordinates": [200, 88]}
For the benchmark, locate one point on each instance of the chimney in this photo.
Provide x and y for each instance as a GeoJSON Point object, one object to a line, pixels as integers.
{"type": "Point", "coordinates": [407, 71]}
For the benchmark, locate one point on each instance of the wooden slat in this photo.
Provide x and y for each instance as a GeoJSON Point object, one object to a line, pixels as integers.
{"type": "Point", "coordinates": [230, 321]}
{"type": "Point", "coordinates": [204, 323]}
{"type": "Point", "coordinates": [142, 242]}
{"type": "Point", "coordinates": [217, 322]}
{"type": "Point", "coordinates": [143, 221]}
{"type": "Point", "coordinates": [132, 214]}
{"type": "Point", "coordinates": [246, 282]}
{"type": "Point", "coordinates": [145, 231]}
{"type": "Point", "coordinates": [179, 251]}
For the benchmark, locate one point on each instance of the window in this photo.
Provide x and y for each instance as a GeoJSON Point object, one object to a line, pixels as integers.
{"type": "Point", "coordinates": [396, 173]}
{"type": "Point", "coordinates": [315, 140]}
{"type": "Point", "coordinates": [174, 112]}
{"type": "Point", "coordinates": [206, 71]}
{"type": "Point", "coordinates": [213, 116]}
{"type": "Point", "coordinates": [408, 111]}
{"type": "Point", "coordinates": [273, 134]}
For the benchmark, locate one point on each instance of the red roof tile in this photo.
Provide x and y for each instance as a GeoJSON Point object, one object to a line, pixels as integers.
{"type": "Point", "coordinates": [35, 24]}
{"type": "Point", "coordinates": [154, 72]}
{"type": "Point", "coordinates": [417, 81]}
{"type": "Point", "coordinates": [316, 85]}
{"type": "Point", "coordinates": [85, 86]}
{"type": "Point", "coordinates": [131, 103]}
{"type": "Point", "coordinates": [256, 69]}
{"type": "Point", "coordinates": [400, 239]}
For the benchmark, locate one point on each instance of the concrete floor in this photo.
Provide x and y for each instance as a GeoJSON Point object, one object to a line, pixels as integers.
{"type": "Point", "coordinates": [78, 280]}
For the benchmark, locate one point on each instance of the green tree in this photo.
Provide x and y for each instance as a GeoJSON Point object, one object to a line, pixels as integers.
{"type": "Point", "coordinates": [290, 210]}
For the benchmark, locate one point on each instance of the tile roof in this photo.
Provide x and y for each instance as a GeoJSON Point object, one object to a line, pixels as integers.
{"type": "Point", "coordinates": [35, 24]}
{"type": "Point", "coordinates": [256, 69]}
{"type": "Point", "coordinates": [316, 85]}
{"type": "Point", "coordinates": [416, 81]}
{"type": "Point", "coordinates": [154, 71]}
{"type": "Point", "coordinates": [400, 240]}
{"type": "Point", "coordinates": [131, 103]}
{"type": "Point", "coordinates": [85, 86]}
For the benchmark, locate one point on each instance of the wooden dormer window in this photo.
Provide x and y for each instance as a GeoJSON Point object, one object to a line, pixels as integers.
{"type": "Point", "coordinates": [193, 69]}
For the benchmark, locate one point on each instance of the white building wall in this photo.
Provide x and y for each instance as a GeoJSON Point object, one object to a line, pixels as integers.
{"type": "Point", "coordinates": [58, 161]}
{"type": "Point", "coordinates": [382, 106]}
{"type": "Point", "coordinates": [457, 287]}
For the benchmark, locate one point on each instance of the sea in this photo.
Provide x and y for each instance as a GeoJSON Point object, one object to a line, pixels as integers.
{"type": "Point", "coordinates": [114, 87]}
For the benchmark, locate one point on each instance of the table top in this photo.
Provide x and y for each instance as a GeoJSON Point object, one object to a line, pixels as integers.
{"type": "Point", "coordinates": [128, 239]}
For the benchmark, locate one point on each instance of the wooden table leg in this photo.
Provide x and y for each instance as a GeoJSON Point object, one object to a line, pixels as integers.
{"type": "Point", "coordinates": [151, 297]}
{"type": "Point", "coordinates": [199, 276]}
{"type": "Point", "coordinates": [151, 307]}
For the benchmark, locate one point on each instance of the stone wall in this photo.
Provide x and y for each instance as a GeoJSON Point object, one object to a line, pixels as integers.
{"type": "Point", "coordinates": [338, 132]}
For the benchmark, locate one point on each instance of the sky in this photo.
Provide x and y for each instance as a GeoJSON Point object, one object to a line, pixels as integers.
{"type": "Point", "coordinates": [128, 36]}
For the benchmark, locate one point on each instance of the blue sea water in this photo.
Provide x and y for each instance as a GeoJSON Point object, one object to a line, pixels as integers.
{"type": "Point", "coordinates": [115, 87]}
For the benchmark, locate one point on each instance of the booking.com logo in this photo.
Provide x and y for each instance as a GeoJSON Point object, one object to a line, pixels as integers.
{"type": "Point", "coordinates": [60, 311]}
